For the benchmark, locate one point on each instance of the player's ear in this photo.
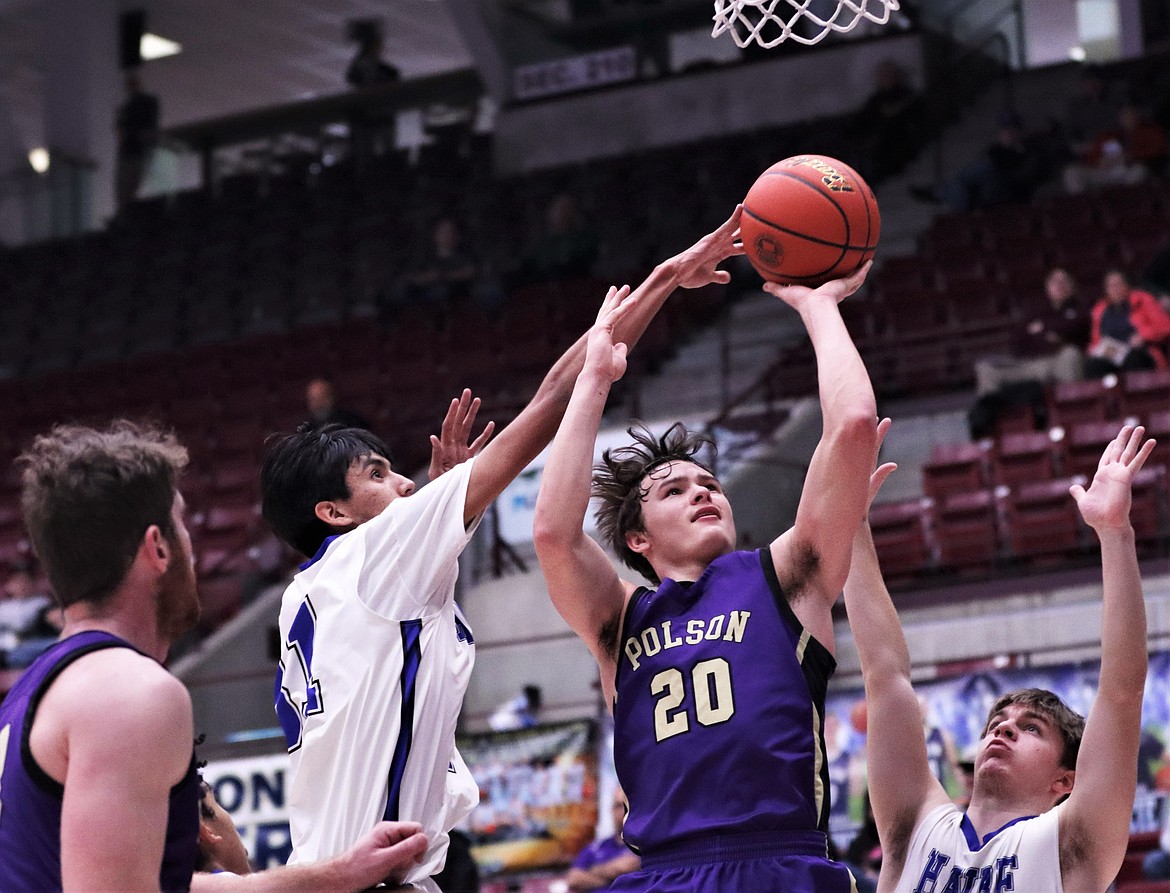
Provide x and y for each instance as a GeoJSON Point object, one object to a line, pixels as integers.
{"type": "Point", "coordinates": [637, 541]}
{"type": "Point", "coordinates": [155, 548]}
{"type": "Point", "coordinates": [1064, 782]}
{"type": "Point", "coordinates": [333, 514]}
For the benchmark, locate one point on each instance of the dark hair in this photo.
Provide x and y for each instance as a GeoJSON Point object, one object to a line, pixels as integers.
{"type": "Point", "coordinates": [89, 496]}
{"type": "Point", "coordinates": [1068, 722]}
{"type": "Point", "coordinates": [306, 468]}
{"type": "Point", "coordinates": [617, 482]}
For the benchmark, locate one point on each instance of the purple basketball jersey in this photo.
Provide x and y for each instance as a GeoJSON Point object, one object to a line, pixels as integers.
{"type": "Point", "coordinates": [30, 801]}
{"type": "Point", "coordinates": [718, 718]}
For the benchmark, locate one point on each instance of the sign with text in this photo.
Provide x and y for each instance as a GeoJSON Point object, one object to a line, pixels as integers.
{"type": "Point", "coordinates": [575, 73]}
{"type": "Point", "coordinates": [252, 790]}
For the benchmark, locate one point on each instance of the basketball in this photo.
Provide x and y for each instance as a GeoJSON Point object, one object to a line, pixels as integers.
{"type": "Point", "coordinates": [858, 716]}
{"type": "Point", "coordinates": [809, 219]}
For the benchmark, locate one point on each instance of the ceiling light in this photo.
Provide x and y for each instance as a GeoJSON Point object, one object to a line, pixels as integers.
{"type": "Point", "coordinates": [39, 159]}
{"type": "Point", "coordinates": [151, 46]}
{"type": "Point", "coordinates": [1077, 54]}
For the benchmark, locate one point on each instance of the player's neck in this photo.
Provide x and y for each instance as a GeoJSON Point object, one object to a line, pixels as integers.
{"type": "Point", "coordinates": [988, 812]}
{"type": "Point", "coordinates": [138, 627]}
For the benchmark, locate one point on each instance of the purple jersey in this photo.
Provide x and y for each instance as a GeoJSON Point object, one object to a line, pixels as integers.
{"type": "Point", "coordinates": [30, 801]}
{"type": "Point", "coordinates": [719, 712]}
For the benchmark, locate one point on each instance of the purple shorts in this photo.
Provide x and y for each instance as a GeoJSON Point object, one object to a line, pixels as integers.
{"type": "Point", "coordinates": [741, 863]}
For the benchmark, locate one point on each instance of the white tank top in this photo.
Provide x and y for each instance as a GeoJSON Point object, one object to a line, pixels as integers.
{"type": "Point", "coordinates": [375, 661]}
{"type": "Point", "coordinates": [946, 855]}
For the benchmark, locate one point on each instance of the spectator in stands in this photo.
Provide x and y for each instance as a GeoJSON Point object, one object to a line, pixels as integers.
{"type": "Point", "coordinates": [1091, 112]}
{"type": "Point", "coordinates": [1130, 329]}
{"type": "Point", "coordinates": [321, 402]}
{"type": "Point", "coordinates": [1009, 171]}
{"type": "Point", "coordinates": [137, 128]}
{"type": "Point", "coordinates": [26, 614]}
{"type": "Point", "coordinates": [448, 270]}
{"type": "Point", "coordinates": [522, 712]}
{"type": "Point", "coordinates": [864, 853]}
{"type": "Point", "coordinates": [368, 69]}
{"type": "Point", "coordinates": [602, 861]}
{"type": "Point", "coordinates": [1050, 348]}
{"type": "Point", "coordinates": [566, 249]}
{"type": "Point", "coordinates": [1129, 152]}
{"type": "Point", "coordinates": [886, 122]}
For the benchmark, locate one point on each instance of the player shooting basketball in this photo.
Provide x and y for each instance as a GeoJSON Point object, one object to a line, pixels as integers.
{"type": "Point", "coordinates": [716, 678]}
{"type": "Point", "coordinates": [1035, 752]}
{"type": "Point", "coordinates": [376, 655]}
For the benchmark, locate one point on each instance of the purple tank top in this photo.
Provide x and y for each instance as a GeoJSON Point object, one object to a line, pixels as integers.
{"type": "Point", "coordinates": [30, 801]}
{"type": "Point", "coordinates": [719, 712]}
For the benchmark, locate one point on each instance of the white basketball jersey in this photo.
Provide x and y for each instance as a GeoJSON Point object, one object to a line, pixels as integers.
{"type": "Point", "coordinates": [946, 855]}
{"type": "Point", "coordinates": [375, 660]}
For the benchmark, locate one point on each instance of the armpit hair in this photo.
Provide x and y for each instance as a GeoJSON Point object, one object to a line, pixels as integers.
{"type": "Point", "coordinates": [805, 564]}
{"type": "Point", "coordinates": [607, 636]}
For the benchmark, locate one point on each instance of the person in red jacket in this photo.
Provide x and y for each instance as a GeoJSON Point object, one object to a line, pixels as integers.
{"type": "Point", "coordinates": [1130, 330]}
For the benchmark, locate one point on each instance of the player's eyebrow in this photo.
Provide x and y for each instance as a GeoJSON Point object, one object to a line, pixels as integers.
{"type": "Point", "coordinates": [373, 461]}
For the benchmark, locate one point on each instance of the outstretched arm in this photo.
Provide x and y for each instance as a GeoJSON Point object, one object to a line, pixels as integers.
{"type": "Point", "coordinates": [901, 786]}
{"type": "Point", "coordinates": [813, 557]}
{"type": "Point", "coordinates": [1094, 822]}
{"type": "Point", "coordinates": [531, 431]}
{"type": "Point", "coordinates": [582, 583]}
{"type": "Point", "coordinates": [387, 852]}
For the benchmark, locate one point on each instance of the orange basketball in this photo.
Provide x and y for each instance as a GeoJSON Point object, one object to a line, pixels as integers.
{"type": "Point", "coordinates": [858, 716]}
{"type": "Point", "coordinates": [809, 219]}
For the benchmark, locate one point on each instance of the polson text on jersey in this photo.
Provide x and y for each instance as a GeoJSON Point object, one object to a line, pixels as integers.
{"type": "Point", "coordinates": [728, 627]}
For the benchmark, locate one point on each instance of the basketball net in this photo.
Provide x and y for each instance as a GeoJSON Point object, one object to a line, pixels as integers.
{"type": "Point", "coordinates": [769, 22]}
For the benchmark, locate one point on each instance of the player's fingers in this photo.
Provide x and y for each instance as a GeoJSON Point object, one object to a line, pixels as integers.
{"type": "Point", "coordinates": [733, 221]}
{"type": "Point", "coordinates": [1132, 443]}
{"type": "Point", "coordinates": [722, 277]}
{"type": "Point", "coordinates": [468, 420]}
{"type": "Point", "coordinates": [449, 418]}
{"type": "Point", "coordinates": [1077, 491]}
{"type": "Point", "coordinates": [883, 428]}
{"type": "Point", "coordinates": [484, 436]}
{"type": "Point", "coordinates": [1143, 454]}
{"type": "Point", "coordinates": [853, 282]}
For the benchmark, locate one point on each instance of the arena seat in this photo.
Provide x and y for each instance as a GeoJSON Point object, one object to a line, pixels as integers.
{"type": "Point", "coordinates": [966, 531]}
{"type": "Point", "coordinates": [1084, 443]}
{"type": "Point", "coordinates": [1041, 520]}
{"type": "Point", "coordinates": [955, 468]}
{"type": "Point", "coordinates": [1020, 457]}
{"type": "Point", "coordinates": [900, 537]}
{"type": "Point", "coordinates": [1072, 402]}
{"type": "Point", "coordinates": [1146, 392]}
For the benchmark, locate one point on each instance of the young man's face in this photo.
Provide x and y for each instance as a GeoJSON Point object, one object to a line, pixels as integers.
{"type": "Point", "coordinates": [373, 485]}
{"type": "Point", "coordinates": [686, 515]}
{"type": "Point", "coordinates": [1021, 750]}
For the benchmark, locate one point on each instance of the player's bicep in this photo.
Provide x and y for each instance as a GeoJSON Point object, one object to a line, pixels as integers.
{"type": "Point", "coordinates": [126, 752]}
{"type": "Point", "coordinates": [834, 499]}
{"type": "Point", "coordinates": [585, 589]}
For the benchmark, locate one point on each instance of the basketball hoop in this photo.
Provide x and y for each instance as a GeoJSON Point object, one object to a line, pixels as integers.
{"type": "Point", "coordinates": [769, 22]}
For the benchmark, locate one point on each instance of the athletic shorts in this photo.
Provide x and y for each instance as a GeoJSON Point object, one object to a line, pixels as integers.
{"type": "Point", "coordinates": [741, 863]}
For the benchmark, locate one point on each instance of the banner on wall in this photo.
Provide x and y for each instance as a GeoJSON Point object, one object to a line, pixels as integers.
{"type": "Point", "coordinates": [538, 795]}
{"type": "Point", "coordinates": [955, 711]}
{"type": "Point", "coordinates": [252, 791]}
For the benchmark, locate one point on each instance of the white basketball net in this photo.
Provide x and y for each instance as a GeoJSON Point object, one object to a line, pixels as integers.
{"type": "Point", "coordinates": [769, 22]}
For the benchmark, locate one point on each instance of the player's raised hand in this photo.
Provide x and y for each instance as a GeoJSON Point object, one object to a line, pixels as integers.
{"type": "Point", "coordinates": [837, 290]}
{"type": "Point", "coordinates": [386, 853]}
{"type": "Point", "coordinates": [451, 447]}
{"type": "Point", "coordinates": [695, 267]}
{"type": "Point", "coordinates": [884, 470]}
{"type": "Point", "coordinates": [601, 353]}
{"type": "Point", "coordinates": [1105, 505]}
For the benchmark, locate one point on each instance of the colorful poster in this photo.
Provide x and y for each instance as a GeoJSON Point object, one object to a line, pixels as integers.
{"type": "Point", "coordinates": [538, 795]}
{"type": "Point", "coordinates": [954, 713]}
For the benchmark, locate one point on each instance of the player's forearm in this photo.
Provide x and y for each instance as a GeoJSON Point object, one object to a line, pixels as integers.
{"type": "Point", "coordinates": [315, 877]}
{"type": "Point", "coordinates": [845, 389]}
{"type": "Point", "coordinates": [649, 298]}
{"type": "Point", "coordinates": [564, 488]}
{"type": "Point", "coordinates": [873, 620]}
{"type": "Point", "coordinates": [1123, 618]}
